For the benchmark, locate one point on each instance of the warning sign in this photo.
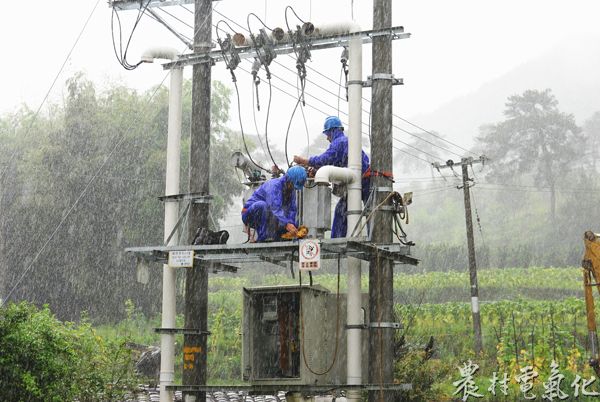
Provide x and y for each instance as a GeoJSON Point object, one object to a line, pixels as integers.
{"type": "Point", "coordinates": [181, 259]}
{"type": "Point", "coordinates": [310, 255]}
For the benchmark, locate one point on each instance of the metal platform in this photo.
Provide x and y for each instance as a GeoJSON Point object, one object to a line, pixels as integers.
{"type": "Point", "coordinates": [279, 253]}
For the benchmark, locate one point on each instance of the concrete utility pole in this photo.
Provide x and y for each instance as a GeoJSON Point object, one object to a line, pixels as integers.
{"type": "Point", "coordinates": [381, 275]}
{"type": "Point", "coordinates": [464, 163]}
{"type": "Point", "coordinates": [196, 283]}
{"type": "Point", "coordinates": [472, 264]}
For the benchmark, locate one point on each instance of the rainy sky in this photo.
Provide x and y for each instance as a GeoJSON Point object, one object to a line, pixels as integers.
{"type": "Point", "coordinates": [455, 48]}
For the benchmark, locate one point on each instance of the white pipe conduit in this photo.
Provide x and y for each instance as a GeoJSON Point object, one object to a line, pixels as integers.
{"type": "Point", "coordinates": [169, 289]}
{"type": "Point", "coordinates": [334, 174]}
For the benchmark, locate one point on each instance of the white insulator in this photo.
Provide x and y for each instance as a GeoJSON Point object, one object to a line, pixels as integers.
{"type": "Point", "coordinates": [335, 29]}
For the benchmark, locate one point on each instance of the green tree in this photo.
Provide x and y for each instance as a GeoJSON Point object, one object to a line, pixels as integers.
{"type": "Point", "coordinates": [535, 138]}
{"type": "Point", "coordinates": [43, 359]}
{"type": "Point", "coordinates": [87, 174]}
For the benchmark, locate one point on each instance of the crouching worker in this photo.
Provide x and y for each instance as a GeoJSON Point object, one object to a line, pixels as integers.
{"type": "Point", "coordinates": [271, 210]}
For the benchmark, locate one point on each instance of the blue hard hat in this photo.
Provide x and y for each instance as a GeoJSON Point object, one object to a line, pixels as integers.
{"type": "Point", "coordinates": [297, 175]}
{"type": "Point", "coordinates": [331, 122]}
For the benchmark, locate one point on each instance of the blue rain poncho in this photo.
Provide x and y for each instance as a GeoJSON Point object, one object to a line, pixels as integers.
{"type": "Point", "coordinates": [270, 209]}
{"type": "Point", "coordinates": [337, 155]}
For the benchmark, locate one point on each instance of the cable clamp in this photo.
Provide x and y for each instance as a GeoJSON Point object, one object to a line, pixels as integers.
{"type": "Point", "coordinates": [384, 189]}
{"type": "Point", "coordinates": [354, 212]}
{"type": "Point", "coordinates": [383, 77]}
{"type": "Point", "coordinates": [356, 326]}
{"type": "Point", "coordinates": [196, 198]}
{"type": "Point", "coordinates": [392, 325]}
{"type": "Point", "coordinates": [359, 82]}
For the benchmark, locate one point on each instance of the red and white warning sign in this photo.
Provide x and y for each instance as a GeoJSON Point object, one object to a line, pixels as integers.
{"type": "Point", "coordinates": [310, 255]}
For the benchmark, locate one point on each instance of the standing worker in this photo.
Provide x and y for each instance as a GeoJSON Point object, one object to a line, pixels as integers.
{"type": "Point", "coordinates": [337, 155]}
{"type": "Point", "coordinates": [272, 209]}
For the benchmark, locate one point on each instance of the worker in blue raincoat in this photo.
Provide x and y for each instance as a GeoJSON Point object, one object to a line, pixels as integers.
{"type": "Point", "coordinates": [337, 155]}
{"type": "Point", "coordinates": [272, 209]}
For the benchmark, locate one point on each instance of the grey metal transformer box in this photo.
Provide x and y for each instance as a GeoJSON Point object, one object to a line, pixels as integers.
{"type": "Point", "coordinates": [315, 208]}
{"type": "Point", "coordinates": [289, 336]}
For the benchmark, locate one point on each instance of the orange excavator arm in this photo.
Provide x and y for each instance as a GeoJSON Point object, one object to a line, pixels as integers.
{"type": "Point", "coordinates": [591, 276]}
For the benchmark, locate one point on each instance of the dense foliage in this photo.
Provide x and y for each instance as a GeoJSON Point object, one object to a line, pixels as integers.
{"type": "Point", "coordinates": [43, 359]}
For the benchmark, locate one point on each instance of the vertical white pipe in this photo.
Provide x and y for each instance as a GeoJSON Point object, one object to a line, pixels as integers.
{"type": "Point", "coordinates": [167, 341]}
{"type": "Point", "coordinates": [354, 316]}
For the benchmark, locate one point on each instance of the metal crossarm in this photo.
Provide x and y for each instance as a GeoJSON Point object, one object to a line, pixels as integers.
{"type": "Point", "coordinates": [316, 43]}
{"type": "Point", "coordinates": [136, 4]}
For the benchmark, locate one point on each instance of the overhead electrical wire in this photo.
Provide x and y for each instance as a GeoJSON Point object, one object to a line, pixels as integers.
{"type": "Point", "coordinates": [262, 146]}
{"type": "Point", "coordinates": [266, 66]}
{"type": "Point", "coordinates": [398, 140]}
{"type": "Point", "coordinates": [393, 125]}
{"type": "Point", "coordinates": [366, 124]}
{"type": "Point", "coordinates": [321, 111]}
{"type": "Point", "coordinates": [439, 137]}
{"type": "Point", "coordinates": [238, 103]}
{"type": "Point", "coordinates": [365, 99]}
{"type": "Point", "coordinates": [122, 55]}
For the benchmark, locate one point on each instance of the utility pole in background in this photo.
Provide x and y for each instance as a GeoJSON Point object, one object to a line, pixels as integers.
{"type": "Point", "coordinates": [381, 275]}
{"type": "Point", "coordinates": [196, 282]}
{"type": "Point", "coordinates": [464, 164]}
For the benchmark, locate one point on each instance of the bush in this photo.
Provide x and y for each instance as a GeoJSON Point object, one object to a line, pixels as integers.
{"type": "Point", "coordinates": [43, 359]}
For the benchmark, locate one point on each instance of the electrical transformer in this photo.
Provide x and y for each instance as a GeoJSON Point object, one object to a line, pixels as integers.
{"type": "Point", "coordinates": [315, 208]}
{"type": "Point", "coordinates": [294, 335]}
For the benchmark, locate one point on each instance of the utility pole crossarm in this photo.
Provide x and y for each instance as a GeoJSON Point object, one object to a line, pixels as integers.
{"type": "Point", "coordinates": [137, 4]}
{"type": "Point", "coordinates": [316, 43]}
{"type": "Point", "coordinates": [464, 161]}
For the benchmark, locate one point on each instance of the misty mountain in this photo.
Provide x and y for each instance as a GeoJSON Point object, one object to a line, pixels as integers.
{"type": "Point", "coordinates": [571, 70]}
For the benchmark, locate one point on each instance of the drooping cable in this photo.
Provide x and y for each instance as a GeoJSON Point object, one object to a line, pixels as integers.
{"type": "Point", "coordinates": [262, 146]}
{"type": "Point", "coordinates": [326, 114]}
{"type": "Point", "coordinates": [242, 129]}
{"type": "Point", "coordinates": [121, 55]}
{"type": "Point", "coordinates": [300, 90]}
{"type": "Point", "coordinates": [265, 57]}
{"type": "Point", "coordinates": [337, 327]}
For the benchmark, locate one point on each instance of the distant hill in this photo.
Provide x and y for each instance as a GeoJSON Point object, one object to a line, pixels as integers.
{"type": "Point", "coordinates": [571, 70]}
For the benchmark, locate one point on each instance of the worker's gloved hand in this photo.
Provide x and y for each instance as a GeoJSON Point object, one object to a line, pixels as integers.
{"type": "Point", "coordinates": [300, 160]}
{"type": "Point", "coordinates": [291, 228]}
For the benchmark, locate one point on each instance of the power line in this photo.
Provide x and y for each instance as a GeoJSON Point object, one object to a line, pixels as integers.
{"type": "Point", "coordinates": [326, 114]}
{"type": "Point", "coordinates": [398, 140]}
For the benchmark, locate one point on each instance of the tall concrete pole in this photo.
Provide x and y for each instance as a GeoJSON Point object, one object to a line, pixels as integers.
{"type": "Point", "coordinates": [196, 283]}
{"type": "Point", "coordinates": [472, 263]}
{"type": "Point", "coordinates": [381, 275]}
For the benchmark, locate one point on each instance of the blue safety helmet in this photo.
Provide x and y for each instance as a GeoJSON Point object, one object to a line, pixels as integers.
{"type": "Point", "coordinates": [331, 122]}
{"type": "Point", "coordinates": [297, 175]}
